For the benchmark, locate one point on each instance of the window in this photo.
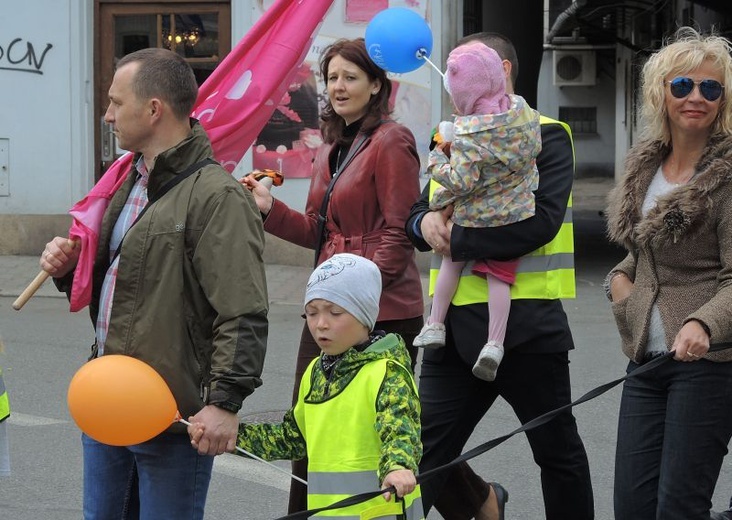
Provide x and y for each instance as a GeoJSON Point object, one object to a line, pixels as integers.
{"type": "Point", "coordinates": [472, 16]}
{"type": "Point", "coordinates": [199, 31]}
{"type": "Point", "coordinates": [194, 36]}
{"type": "Point", "coordinates": [582, 120]}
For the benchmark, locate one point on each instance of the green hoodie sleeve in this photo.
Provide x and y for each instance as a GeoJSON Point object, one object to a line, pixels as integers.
{"type": "Point", "coordinates": [272, 441]}
{"type": "Point", "coordinates": [397, 421]}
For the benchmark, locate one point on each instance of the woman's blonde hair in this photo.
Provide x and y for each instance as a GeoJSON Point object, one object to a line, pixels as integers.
{"type": "Point", "coordinates": [685, 52]}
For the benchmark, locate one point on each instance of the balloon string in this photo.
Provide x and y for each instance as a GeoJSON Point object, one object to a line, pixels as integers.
{"type": "Point", "coordinates": [422, 54]}
{"type": "Point", "coordinates": [252, 455]}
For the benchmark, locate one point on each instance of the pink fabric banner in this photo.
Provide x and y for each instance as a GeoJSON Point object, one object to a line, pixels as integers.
{"type": "Point", "coordinates": [88, 213]}
{"type": "Point", "coordinates": [239, 97]}
{"type": "Point", "coordinates": [233, 105]}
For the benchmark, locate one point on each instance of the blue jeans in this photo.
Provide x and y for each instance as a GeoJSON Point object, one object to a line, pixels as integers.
{"type": "Point", "coordinates": [156, 480]}
{"type": "Point", "coordinates": [674, 426]}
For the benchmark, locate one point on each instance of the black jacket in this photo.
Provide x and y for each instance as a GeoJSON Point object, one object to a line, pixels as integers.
{"type": "Point", "coordinates": [534, 326]}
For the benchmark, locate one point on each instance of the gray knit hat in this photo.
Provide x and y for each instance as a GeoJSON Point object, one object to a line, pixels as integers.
{"type": "Point", "coordinates": [350, 281]}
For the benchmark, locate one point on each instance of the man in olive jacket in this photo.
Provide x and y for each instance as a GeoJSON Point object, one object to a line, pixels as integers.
{"type": "Point", "coordinates": [179, 284]}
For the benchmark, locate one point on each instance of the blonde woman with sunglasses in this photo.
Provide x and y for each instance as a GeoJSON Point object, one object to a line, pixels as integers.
{"type": "Point", "coordinates": [672, 294]}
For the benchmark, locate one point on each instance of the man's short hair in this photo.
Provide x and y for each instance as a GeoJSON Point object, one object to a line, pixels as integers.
{"type": "Point", "coordinates": [499, 43]}
{"type": "Point", "coordinates": [166, 75]}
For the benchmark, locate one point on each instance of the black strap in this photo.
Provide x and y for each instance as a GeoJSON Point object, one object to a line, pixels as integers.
{"type": "Point", "coordinates": [478, 450]}
{"type": "Point", "coordinates": [165, 188]}
{"type": "Point", "coordinates": [172, 183]}
{"type": "Point", "coordinates": [322, 219]}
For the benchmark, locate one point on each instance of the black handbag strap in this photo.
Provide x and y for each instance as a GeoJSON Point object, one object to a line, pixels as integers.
{"type": "Point", "coordinates": [165, 188]}
{"type": "Point", "coordinates": [322, 219]}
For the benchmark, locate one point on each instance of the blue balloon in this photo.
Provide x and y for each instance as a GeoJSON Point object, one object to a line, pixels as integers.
{"type": "Point", "coordinates": [396, 38]}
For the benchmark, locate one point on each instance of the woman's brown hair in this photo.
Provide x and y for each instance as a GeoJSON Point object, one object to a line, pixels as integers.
{"type": "Point", "coordinates": [332, 124]}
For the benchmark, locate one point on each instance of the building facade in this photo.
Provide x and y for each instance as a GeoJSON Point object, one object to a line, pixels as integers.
{"type": "Point", "coordinates": [579, 62]}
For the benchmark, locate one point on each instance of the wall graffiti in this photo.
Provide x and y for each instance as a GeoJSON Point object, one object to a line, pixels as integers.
{"type": "Point", "coordinates": [21, 56]}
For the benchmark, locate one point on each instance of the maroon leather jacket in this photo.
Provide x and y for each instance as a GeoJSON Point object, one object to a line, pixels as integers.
{"type": "Point", "coordinates": [368, 208]}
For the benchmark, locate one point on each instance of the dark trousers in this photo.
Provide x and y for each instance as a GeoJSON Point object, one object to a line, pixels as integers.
{"type": "Point", "coordinates": [309, 350]}
{"type": "Point", "coordinates": [454, 401]}
{"type": "Point", "coordinates": [673, 430]}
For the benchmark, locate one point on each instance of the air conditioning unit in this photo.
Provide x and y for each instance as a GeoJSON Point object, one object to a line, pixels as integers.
{"type": "Point", "coordinates": [573, 68]}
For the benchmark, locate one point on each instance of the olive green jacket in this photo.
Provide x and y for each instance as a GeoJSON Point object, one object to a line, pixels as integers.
{"type": "Point", "coordinates": [190, 296]}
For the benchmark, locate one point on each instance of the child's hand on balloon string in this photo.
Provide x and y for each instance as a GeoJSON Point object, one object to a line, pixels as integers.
{"type": "Point", "coordinates": [195, 431]}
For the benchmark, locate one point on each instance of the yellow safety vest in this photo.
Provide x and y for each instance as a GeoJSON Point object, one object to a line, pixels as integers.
{"type": "Point", "coordinates": [4, 402]}
{"type": "Point", "coordinates": [546, 273]}
{"type": "Point", "coordinates": [344, 449]}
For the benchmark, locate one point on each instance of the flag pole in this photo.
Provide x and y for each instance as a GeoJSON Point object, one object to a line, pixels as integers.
{"type": "Point", "coordinates": [29, 291]}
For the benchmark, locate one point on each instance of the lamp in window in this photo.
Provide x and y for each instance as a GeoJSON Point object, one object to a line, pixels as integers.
{"type": "Point", "coordinates": [188, 38]}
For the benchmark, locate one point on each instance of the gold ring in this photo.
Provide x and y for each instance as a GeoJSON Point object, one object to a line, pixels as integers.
{"type": "Point", "coordinates": [691, 354]}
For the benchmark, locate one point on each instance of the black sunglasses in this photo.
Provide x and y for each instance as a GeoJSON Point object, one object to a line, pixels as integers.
{"type": "Point", "coordinates": [710, 89]}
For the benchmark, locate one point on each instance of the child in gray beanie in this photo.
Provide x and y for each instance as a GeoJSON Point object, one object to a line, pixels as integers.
{"type": "Point", "coordinates": [357, 413]}
{"type": "Point", "coordinates": [350, 281]}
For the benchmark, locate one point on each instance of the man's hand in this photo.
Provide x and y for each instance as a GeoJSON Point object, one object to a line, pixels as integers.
{"type": "Point", "coordinates": [59, 257]}
{"type": "Point", "coordinates": [436, 227]}
{"type": "Point", "coordinates": [219, 428]}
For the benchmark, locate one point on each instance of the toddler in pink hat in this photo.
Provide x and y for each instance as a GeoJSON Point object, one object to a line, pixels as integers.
{"type": "Point", "coordinates": [486, 169]}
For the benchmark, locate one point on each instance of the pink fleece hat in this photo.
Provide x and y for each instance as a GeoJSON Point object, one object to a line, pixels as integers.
{"type": "Point", "coordinates": [475, 80]}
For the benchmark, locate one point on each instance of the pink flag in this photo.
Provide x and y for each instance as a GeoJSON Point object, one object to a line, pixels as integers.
{"type": "Point", "coordinates": [88, 213]}
{"type": "Point", "coordinates": [233, 105]}
{"type": "Point", "coordinates": [239, 97]}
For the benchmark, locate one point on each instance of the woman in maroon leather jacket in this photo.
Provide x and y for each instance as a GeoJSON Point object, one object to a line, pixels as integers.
{"type": "Point", "coordinates": [376, 166]}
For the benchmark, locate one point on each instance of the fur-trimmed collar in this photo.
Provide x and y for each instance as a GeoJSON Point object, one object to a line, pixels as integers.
{"type": "Point", "coordinates": [676, 213]}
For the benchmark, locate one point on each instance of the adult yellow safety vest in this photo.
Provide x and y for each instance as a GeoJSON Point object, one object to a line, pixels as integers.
{"type": "Point", "coordinates": [344, 449]}
{"type": "Point", "coordinates": [4, 402]}
{"type": "Point", "coordinates": [546, 273]}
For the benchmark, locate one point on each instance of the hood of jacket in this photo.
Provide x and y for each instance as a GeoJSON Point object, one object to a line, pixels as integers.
{"type": "Point", "coordinates": [175, 160]}
{"type": "Point", "coordinates": [674, 214]}
{"type": "Point", "coordinates": [389, 346]}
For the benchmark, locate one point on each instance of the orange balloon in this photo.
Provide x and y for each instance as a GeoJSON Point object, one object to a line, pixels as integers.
{"type": "Point", "coordinates": [120, 400]}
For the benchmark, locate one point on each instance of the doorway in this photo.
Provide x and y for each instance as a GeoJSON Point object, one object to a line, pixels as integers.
{"type": "Point", "coordinates": [198, 31]}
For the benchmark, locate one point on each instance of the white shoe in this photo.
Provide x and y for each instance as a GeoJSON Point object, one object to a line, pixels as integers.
{"type": "Point", "coordinates": [489, 358]}
{"type": "Point", "coordinates": [432, 335]}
